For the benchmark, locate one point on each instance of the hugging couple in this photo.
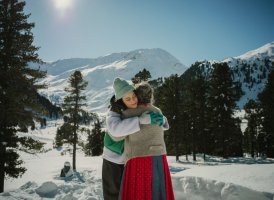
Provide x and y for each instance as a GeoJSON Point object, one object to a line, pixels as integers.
{"type": "Point", "coordinates": [134, 156]}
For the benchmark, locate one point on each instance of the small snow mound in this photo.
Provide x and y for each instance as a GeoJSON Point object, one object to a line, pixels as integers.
{"type": "Point", "coordinates": [28, 185]}
{"type": "Point", "coordinates": [197, 188]}
{"type": "Point", "coordinates": [47, 189]}
{"type": "Point", "coordinates": [231, 191]}
{"type": "Point", "coordinates": [5, 194]}
{"type": "Point", "coordinates": [68, 197]}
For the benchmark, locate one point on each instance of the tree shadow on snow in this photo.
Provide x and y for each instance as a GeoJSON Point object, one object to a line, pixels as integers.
{"type": "Point", "coordinates": [174, 170]}
{"type": "Point", "coordinates": [214, 160]}
{"type": "Point", "coordinates": [76, 177]}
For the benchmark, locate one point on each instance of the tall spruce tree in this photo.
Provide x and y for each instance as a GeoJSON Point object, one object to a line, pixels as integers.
{"type": "Point", "coordinates": [73, 108]}
{"type": "Point", "coordinates": [195, 109]}
{"type": "Point", "coordinates": [168, 98]}
{"type": "Point", "coordinates": [95, 144]}
{"type": "Point", "coordinates": [195, 89]}
{"type": "Point", "coordinates": [253, 129]}
{"type": "Point", "coordinates": [225, 128]}
{"type": "Point", "coordinates": [266, 98]}
{"type": "Point", "coordinates": [18, 86]}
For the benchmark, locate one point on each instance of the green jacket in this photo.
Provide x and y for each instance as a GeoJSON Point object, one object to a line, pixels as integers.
{"type": "Point", "coordinates": [115, 146]}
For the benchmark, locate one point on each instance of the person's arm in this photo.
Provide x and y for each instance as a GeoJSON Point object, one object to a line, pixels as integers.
{"type": "Point", "coordinates": [165, 121]}
{"type": "Point", "coordinates": [166, 124]}
{"type": "Point", "coordinates": [118, 127]}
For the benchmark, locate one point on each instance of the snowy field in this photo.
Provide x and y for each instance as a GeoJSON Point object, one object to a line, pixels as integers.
{"type": "Point", "coordinates": [230, 179]}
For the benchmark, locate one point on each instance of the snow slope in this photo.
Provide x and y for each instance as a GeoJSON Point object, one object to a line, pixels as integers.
{"type": "Point", "coordinates": [226, 179]}
{"type": "Point", "coordinates": [230, 179]}
{"type": "Point", "coordinates": [252, 64]}
{"type": "Point", "coordinates": [250, 70]}
{"type": "Point", "coordinates": [100, 73]}
{"type": "Point", "coordinates": [266, 50]}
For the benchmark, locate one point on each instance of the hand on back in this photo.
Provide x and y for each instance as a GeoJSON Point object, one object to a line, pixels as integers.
{"type": "Point", "coordinates": [153, 118]}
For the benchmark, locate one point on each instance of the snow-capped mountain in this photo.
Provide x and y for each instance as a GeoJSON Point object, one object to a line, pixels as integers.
{"type": "Point", "coordinates": [262, 52]}
{"type": "Point", "coordinates": [100, 73]}
{"type": "Point", "coordinates": [250, 69]}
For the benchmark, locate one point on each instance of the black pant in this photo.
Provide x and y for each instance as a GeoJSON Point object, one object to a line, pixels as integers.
{"type": "Point", "coordinates": [111, 176]}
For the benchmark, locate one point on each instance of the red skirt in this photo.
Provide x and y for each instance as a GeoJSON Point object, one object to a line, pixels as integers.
{"type": "Point", "coordinates": [146, 178]}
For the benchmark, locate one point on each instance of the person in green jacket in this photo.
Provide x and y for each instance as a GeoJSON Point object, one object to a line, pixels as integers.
{"type": "Point", "coordinates": [146, 174]}
{"type": "Point", "coordinates": [113, 152]}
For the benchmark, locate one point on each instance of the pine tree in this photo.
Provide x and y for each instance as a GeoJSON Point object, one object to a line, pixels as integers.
{"type": "Point", "coordinates": [64, 135]}
{"type": "Point", "coordinates": [52, 111]}
{"type": "Point", "coordinates": [266, 98]}
{"type": "Point", "coordinates": [195, 89]}
{"type": "Point", "coordinates": [195, 104]}
{"type": "Point", "coordinates": [18, 87]}
{"type": "Point", "coordinates": [73, 108]}
{"type": "Point", "coordinates": [168, 98]}
{"type": "Point", "coordinates": [94, 147]}
{"type": "Point", "coordinates": [222, 104]}
{"type": "Point", "coordinates": [143, 75]}
{"type": "Point", "coordinates": [252, 131]}
{"type": "Point", "coordinates": [156, 83]}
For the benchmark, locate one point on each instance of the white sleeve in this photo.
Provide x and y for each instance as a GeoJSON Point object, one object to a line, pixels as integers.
{"type": "Point", "coordinates": [118, 127]}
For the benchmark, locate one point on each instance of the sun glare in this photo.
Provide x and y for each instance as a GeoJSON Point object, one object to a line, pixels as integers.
{"type": "Point", "coordinates": [63, 5]}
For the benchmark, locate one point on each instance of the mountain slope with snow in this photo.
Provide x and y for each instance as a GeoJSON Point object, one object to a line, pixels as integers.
{"type": "Point", "coordinates": [265, 51]}
{"type": "Point", "coordinates": [250, 70]}
{"type": "Point", "coordinates": [215, 178]}
{"type": "Point", "coordinates": [100, 73]}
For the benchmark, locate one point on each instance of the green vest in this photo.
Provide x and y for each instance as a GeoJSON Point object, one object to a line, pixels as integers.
{"type": "Point", "coordinates": [117, 147]}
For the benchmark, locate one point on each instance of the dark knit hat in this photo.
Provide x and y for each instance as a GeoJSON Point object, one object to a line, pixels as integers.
{"type": "Point", "coordinates": [144, 92]}
{"type": "Point", "coordinates": [121, 88]}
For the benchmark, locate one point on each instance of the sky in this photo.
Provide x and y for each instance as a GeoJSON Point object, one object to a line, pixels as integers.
{"type": "Point", "coordinates": [190, 30]}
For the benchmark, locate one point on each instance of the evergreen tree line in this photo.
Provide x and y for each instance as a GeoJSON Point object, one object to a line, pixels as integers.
{"type": "Point", "coordinates": [51, 111]}
{"type": "Point", "coordinates": [19, 105]}
{"type": "Point", "coordinates": [253, 73]}
{"type": "Point", "coordinates": [201, 112]}
{"type": "Point", "coordinates": [201, 106]}
{"type": "Point", "coordinates": [259, 134]}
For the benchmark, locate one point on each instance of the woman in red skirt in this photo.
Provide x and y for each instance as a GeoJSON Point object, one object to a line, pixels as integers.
{"type": "Point", "coordinates": [146, 174]}
{"type": "Point", "coordinates": [147, 178]}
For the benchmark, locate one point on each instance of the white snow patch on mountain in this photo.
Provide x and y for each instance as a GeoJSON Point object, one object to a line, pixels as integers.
{"type": "Point", "coordinates": [100, 73]}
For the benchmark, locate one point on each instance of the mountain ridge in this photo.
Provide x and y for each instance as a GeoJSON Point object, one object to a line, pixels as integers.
{"type": "Point", "coordinates": [100, 73]}
{"type": "Point", "coordinates": [251, 69]}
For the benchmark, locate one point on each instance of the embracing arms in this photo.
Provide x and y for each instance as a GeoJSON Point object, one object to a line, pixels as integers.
{"type": "Point", "coordinates": [119, 127]}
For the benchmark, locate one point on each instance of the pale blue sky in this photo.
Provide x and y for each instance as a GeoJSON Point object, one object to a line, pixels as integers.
{"type": "Point", "coordinates": [190, 30]}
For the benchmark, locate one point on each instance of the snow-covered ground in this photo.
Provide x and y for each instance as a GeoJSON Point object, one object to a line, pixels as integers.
{"type": "Point", "coordinates": [228, 179]}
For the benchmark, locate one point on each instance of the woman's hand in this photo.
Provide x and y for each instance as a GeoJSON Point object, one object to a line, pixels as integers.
{"type": "Point", "coordinates": [153, 118]}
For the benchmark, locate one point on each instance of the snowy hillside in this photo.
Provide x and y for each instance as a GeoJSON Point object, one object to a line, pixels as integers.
{"type": "Point", "coordinates": [262, 52]}
{"type": "Point", "coordinates": [100, 73]}
{"type": "Point", "coordinates": [218, 179]}
{"type": "Point", "coordinates": [250, 69]}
